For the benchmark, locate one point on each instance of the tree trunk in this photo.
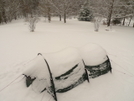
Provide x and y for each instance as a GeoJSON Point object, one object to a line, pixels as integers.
{"type": "Point", "coordinates": [64, 13]}
{"type": "Point", "coordinates": [15, 17]}
{"type": "Point", "coordinates": [49, 18]}
{"type": "Point", "coordinates": [110, 13]}
{"type": "Point", "coordinates": [49, 14]}
{"type": "Point", "coordinates": [0, 19]}
{"type": "Point", "coordinates": [60, 17]}
{"type": "Point", "coordinates": [3, 13]}
{"type": "Point", "coordinates": [133, 25]}
{"type": "Point", "coordinates": [130, 21]}
{"type": "Point", "coordinates": [64, 17]}
{"type": "Point", "coordinates": [123, 21]}
{"type": "Point", "coordinates": [4, 16]}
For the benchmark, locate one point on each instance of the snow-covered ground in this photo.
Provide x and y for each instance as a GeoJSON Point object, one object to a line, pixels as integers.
{"type": "Point", "coordinates": [19, 46]}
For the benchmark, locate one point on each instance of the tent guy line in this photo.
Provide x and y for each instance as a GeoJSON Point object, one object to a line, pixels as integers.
{"type": "Point", "coordinates": [10, 83]}
{"type": "Point", "coordinates": [129, 74]}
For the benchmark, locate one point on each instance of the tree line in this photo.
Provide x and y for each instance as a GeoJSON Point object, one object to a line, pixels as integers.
{"type": "Point", "coordinates": [113, 9]}
{"type": "Point", "coordinates": [13, 9]}
{"type": "Point", "coordinates": [109, 9]}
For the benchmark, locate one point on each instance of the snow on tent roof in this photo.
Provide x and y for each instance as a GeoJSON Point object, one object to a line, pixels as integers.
{"type": "Point", "coordinates": [93, 54]}
{"type": "Point", "coordinates": [63, 60]}
{"type": "Point", "coordinates": [36, 68]}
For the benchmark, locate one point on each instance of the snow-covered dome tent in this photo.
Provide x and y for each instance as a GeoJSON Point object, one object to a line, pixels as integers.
{"type": "Point", "coordinates": [56, 72]}
{"type": "Point", "coordinates": [37, 74]}
{"type": "Point", "coordinates": [61, 71]}
{"type": "Point", "coordinates": [67, 68]}
{"type": "Point", "coordinates": [96, 60]}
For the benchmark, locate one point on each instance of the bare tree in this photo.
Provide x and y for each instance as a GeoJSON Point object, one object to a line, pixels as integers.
{"type": "Point", "coordinates": [32, 23]}
{"type": "Point", "coordinates": [97, 21]}
{"type": "Point", "coordinates": [46, 9]}
{"type": "Point", "coordinates": [29, 7]}
{"type": "Point", "coordinates": [127, 10]}
{"type": "Point", "coordinates": [3, 17]}
{"type": "Point", "coordinates": [66, 8]}
{"type": "Point", "coordinates": [8, 10]}
{"type": "Point", "coordinates": [110, 12]}
{"type": "Point", "coordinates": [103, 8]}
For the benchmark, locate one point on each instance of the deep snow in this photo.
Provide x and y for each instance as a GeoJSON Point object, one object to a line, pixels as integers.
{"type": "Point", "coordinates": [19, 46]}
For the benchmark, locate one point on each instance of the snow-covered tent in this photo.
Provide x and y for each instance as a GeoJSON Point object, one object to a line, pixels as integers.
{"type": "Point", "coordinates": [96, 60]}
{"type": "Point", "coordinates": [56, 72]}
{"type": "Point", "coordinates": [67, 68]}
{"type": "Point", "coordinates": [63, 70]}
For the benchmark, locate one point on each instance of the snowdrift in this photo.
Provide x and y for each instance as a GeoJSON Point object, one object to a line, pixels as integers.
{"type": "Point", "coordinates": [63, 70]}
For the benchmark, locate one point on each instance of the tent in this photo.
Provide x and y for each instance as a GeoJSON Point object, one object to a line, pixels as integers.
{"type": "Point", "coordinates": [61, 71]}
{"type": "Point", "coordinates": [56, 72]}
{"type": "Point", "coordinates": [96, 60]}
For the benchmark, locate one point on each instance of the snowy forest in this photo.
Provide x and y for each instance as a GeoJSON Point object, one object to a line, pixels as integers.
{"type": "Point", "coordinates": [111, 10]}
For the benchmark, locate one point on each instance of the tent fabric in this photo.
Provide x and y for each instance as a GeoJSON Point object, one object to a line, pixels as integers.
{"type": "Point", "coordinates": [67, 68]}
{"type": "Point", "coordinates": [98, 70]}
{"type": "Point", "coordinates": [67, 73]}
{"type": "Point", "coordinates": [96, 60]}
{"type": "Point", "coordinates": [73, 85]}
{"type": "Point", "coordinates": [71, 78]}
{"type": "Point", "coordinates": [40, 71]}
